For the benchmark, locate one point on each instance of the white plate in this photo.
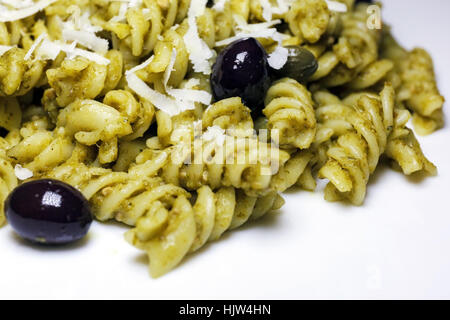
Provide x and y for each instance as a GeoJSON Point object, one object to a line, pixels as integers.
{"type": "Point", "coordinates": [395, 246]}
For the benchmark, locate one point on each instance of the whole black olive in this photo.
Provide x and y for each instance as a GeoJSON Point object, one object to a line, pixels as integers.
{"type": "Point", "coordinates": [48, 211]}
{"type": "Point", "coordinates": [301, 64]}
{"type": "Point", "coordinates": [242, 70]}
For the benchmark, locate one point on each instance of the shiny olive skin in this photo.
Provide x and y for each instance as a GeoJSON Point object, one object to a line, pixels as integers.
{"type": "Point", "coordinates": [301, 65]}
{"type": "Point", "coordinates": [242, 70]}
{"type": "Point", "coordinates": [48, 212]}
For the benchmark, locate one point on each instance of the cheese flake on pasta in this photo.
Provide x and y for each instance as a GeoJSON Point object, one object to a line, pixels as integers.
{"type": "Point", "coordinates": [256, 30]}
{"type": "Point", "coordinates": [35, 44]}
{"type": "Point", "coordinates": [184, 96]}
{"type": "Point", "coordinates": [22, 173]}
{"type": "Point", "coordinates": [161, 101]}
{"type": "Point", "coordinates": [127, 4]}
{"type": "Point", "coordinates": [268, 10]}
{"type": "Point", "coordinates": [21, 13]}
{"type": "Point", "coordinates": [49, 50]}
{"type": "Point", "coordinates": [79, 28]}
{"type": "Point", "coordinates": [278, 58]}
{"type": "Point", "coordinates": [87, 39]}
{"type": "Point", "coordinates": [199, 52]}
{"type": "Point", "coordinates": [176, 100]}
{"type": "Point", "coordinates": [336, 6]}
{"type": "Point", "coordinates": [219, 5]}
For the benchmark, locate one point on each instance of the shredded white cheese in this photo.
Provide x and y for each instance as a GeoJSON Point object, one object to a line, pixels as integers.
{"type": "Point", "coordinates": [176, 100]}
{"type": "Point", "coordinates": [127, 4]}
{"type": "Point", "coordinates": [184, 96]}
{"type": "Point", "coordinates": [21, 13]}
{"type": "Point", "coordinates": [49, 50]}
{"type": "Point", "coordinates": [22, 173]}
{"type": "Point", "coordinates": [257, 30]}
{"type": "Point", "coordinates": [142, 65]}
{"type": "Point", "coordinates": [336, 6]}
{"type": "Point", "coordinates": [278, 58]}
{"type": "Point", "coordinates": [269, 11]}
{"type": "Point", "coordinates": [80, 29]}
{"type": "Point", "coordinates": [219, 5]}
{"type": "Point", "coordinates": [4, 49]}
{"type": "Point", "coordinates": [33, 47]}
{"type": "Point", "coordinates": [17, 4]}
{"type": "Point", "coordinates": [199, 52]}
{"type": "Point", "coordinates": [87, 39]}
{"type": "Point", "coordinates": [161, 101]}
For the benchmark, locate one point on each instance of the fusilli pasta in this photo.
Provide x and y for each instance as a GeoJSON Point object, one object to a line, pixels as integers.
{"type": "Point", "coordinates": [117, 99]}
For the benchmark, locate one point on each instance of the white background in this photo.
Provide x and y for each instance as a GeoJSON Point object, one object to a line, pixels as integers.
{"type": "Point", "coordinates": [395, 246]}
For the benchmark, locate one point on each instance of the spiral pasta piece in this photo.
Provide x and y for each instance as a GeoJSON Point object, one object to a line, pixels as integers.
{"type": "Point", "coordinates": [41, 151]}
{"type": "Point", "coordinates": [139, 114]}
{"type": "Point", "coordinates": [361, 124]}
{"type": "Point", "coordinates": [289, 110]}
{"type": "Point", "coordinates": [168, 234]}
{"type": "Point", "coordinates": [353, 61]}
{"type": "Point", "coordinates": [239, 162]}
{"type": "Point", "coordinates": [230, 115]}
{"type": "Point", "coordinates": [91, 122]}
{"type": "Point", "coordinates": [83, 79]}
{"type": "Point", "coordinates": [308, 19]}
{"type": "Point", "coordinates": [17, 75]}
{"type": "Point", "coordinates": [405, 150]}
{"type": "Point", "coordinates": [153, 73]}
{"type": "Point", "coordinates": [135, 29]}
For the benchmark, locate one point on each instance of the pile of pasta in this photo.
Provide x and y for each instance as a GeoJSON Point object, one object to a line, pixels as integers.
{"type": "Point", "coordinates": [112, 96]}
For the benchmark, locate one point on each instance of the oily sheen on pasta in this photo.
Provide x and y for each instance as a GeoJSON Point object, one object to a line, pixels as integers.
{"type": "Point", "coordinates": [118, 99]}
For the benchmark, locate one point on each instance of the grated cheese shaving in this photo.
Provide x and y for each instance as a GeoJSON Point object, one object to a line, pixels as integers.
{"type": "Point", "coordinates": [176, 100]}
{"type": "Point", "coordinates": [336, 6]}
{"type": "Point", "coordinates": [278, 58]}
{"type": "Point", "coordinates": [199, 52]}
{"type": "Point", "coordinates": [257, 30]}
{"type": "Point", "coordinates": [17, 4]}
{"type": "Point", "coordinates": [184, 96]}
{"type": "Point", "coordinates": [269, 11]}
{"type": "Point", "coordinates": [18, 14]}
{"type": "Point", "coordinates": [142, 65]}
{"type": "Point", "coordinates": [22, 173]}
{"type": "Point", "coordinates": [79, 28]}
{"type": "Point", "coordinates": [126, 4]}
{"type": "Point", "coordinates": [36, 43]}
{"type": "Point", "coordinates": [4, 49]}
{"type": "Point", "coordinates": [219, 5]}
{"type": "Point", "coordinates": [87, 39]}
{"type": "Point", "coordinates": [161, 101]}
{"type": "Point", "coordinates": [49, 50]}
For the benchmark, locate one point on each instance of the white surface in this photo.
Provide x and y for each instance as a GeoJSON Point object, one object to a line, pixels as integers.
{"type": "Point", "coordinates": [395, 246]}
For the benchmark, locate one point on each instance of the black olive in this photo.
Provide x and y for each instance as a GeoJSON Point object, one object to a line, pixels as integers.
{"type": "Point", "coordinates": [301, 65]}
{"type": "Point", "coordinates": [363, 1]}
{"type": "Point", "coordinates": [49, 212]}
{"type": "Point", "coordinates": [242, 70]}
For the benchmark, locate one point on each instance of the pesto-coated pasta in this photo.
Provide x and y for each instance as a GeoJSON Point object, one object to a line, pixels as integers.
{"type": "Point", "coordinates": [119, 100]}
